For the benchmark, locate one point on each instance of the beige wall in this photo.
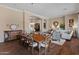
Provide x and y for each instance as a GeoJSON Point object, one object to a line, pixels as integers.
{"type": "Point", "coordinates": [59, 19]}
{"type": "Point", "coordinates": [28, 21]}
{"type": "Point", "coordinates": [8, 17]}
{"type": "Point", "coordinates": [73, 16]}
{"type": "Point", "coordinates": [64, 19]}
{"type": "Point", "coordinates": [78, 27]}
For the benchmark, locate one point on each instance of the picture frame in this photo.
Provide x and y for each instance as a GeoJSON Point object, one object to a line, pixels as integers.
{"type": "Point", "coordinates": [44, 24]}
{"type": "Point", "coordinates": [71, 22]}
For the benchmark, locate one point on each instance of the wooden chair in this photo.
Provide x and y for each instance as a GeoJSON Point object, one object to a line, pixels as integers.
{"type": "Point", "coordinates": [23, 41]}
{"type": "Point", "coordinates": [43, 41]}
{"type": "Point", "coordinates": [46, 44]}
{"type": "Point", "coordinates": [28, 42]}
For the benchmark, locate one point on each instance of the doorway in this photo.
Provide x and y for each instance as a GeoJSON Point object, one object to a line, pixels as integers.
{"type": "Point", "coordinates": [37, 27]}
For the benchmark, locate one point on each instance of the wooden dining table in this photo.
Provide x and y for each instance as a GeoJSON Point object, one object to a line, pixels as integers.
{"type": "Point", "coordinates": [39, 38]}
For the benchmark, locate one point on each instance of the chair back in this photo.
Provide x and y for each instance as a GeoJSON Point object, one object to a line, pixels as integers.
{"type": "Point", "coordinates": [47, 41]}
{"type": "Point", "coordinates": [27, 39]}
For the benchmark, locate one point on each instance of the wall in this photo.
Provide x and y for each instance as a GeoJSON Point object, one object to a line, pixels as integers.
{"type": "Point", "coordinates": [27, 15]}
{"type": "Point", "coordinates": [73, 16]}
{"type": "Point", "coordinates": [8, 17]}
{"type": "Point", "coordinates": [64, 19]}
{"type": "Point", "coordinates": [78, 27]}
{"type": "Point", "coordinates": [47, 25]}
{"type": "Point", "coordinates": [28, 20]}
{"type": "Point", "coordinates": [58, 19]}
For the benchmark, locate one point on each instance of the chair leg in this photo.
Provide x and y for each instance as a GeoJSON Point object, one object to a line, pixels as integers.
{"type": "Point", "coordinates": [39, 48]}
{"type": "Point", "coordinates": [32, 50]}
{"type": "Point", "coordinates": [45, 50]}
{"type": "Point", "coordinates": [39, 51]}
{"type": "Point", "coordinates": [49, 44]}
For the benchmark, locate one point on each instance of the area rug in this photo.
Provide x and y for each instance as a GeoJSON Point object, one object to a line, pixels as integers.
{"type": "Point", "coordinates": [61, 42]}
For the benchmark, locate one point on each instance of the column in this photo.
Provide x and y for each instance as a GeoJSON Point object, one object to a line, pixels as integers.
{"type": "Point", "coordinates": [78, 27]}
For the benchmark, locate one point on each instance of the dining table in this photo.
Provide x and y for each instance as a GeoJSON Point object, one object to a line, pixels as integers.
{"type": "Point", "coordinates": [39, 38]}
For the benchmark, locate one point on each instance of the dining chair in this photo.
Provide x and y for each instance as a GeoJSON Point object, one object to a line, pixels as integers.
{"type": "Point", "coordinates": [38, 38]}
{"type": "Point", "coordinates": [28, 42]}
{"type": "Point", "coordinates": [46, 44]}
{"type": "Point", "coordinates": [32, 43]}
{"type": "Point", "coordinates": [21, 41]}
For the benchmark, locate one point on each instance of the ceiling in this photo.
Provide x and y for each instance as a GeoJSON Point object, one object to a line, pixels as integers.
{"type": "Point", "coordinates": [47, 9]}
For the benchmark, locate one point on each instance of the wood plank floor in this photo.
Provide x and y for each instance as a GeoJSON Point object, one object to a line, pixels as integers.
{"type": "Point", "coordinates": [14, 48]}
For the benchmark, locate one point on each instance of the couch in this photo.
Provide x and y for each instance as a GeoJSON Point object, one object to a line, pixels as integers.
{"type": "Point", "coordinates": [67, 35]}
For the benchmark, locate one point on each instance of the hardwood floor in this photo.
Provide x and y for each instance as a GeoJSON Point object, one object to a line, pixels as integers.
{"type": "Point", "coordinates": [14, 48]}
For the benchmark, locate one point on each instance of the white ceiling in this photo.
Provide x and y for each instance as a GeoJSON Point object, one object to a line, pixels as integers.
{"type": "Point", "coordinates": [47, 9]}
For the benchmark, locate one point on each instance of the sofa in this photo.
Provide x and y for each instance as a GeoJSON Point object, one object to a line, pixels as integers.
{"type": "Point", "coordinates": [67, 35]}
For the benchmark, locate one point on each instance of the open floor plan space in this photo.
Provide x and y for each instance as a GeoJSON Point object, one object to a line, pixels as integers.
{"type": "Point", "coordinates": [39, 28]}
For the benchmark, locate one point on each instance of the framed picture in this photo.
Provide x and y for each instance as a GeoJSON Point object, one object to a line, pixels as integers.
{"type": "Point", "coordinates": [71, 22]}
{"type": "Point", "coordinates": [44, 24]}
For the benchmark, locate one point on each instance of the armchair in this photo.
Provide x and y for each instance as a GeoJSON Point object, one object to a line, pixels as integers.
{"type": "Point", "coordinates": [56, 36]}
